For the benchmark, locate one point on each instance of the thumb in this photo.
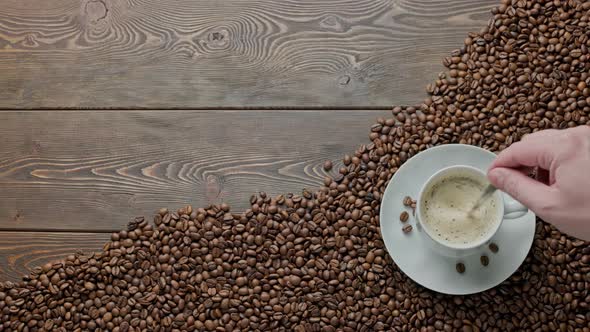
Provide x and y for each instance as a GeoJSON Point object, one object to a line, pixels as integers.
{"type": "Point", "coordinates": [531, 193]}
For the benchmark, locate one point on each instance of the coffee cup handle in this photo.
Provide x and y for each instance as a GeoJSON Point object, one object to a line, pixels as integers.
{"type": "Point", "coordinates": [513, 209]}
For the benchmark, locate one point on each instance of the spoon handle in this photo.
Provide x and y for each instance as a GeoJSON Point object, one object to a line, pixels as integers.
{"type": "Point", "coordinates": [487, 192]}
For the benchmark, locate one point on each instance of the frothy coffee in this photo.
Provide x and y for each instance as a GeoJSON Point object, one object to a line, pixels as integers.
{"type": "Point", "coordinates": [445, 211]}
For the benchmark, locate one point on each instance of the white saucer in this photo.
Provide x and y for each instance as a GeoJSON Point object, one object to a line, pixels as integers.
{"type": "Point", "coordinates": [411, 251]}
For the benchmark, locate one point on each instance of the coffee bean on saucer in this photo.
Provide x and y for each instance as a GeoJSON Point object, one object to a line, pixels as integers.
{"type": "Point", "coordinates": [493, 247]}
{"type": "Point", "coordinates": [407, 228]}
{"type": "Point", "coordinates": [404, 216]}
{"type": "Point", "coordinates": [408, 201]}
{"type": "Point", "coordinates": [484, 260]}
{"type": "Point", "coordinates": [460, 267]}
{"type": "Point", "coordinates": [328, 165]}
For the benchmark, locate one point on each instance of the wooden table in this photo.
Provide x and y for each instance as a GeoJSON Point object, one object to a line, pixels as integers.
{"type": "Point", "coordinates": [111, 109]}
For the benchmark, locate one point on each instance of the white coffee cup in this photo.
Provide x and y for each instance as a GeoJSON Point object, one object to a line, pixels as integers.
{"type": "Point", "coordinates": [508, 209]}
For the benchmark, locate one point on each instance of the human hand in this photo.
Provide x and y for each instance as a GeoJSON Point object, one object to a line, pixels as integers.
{"type": "Point", "coordinates": [563, 198]}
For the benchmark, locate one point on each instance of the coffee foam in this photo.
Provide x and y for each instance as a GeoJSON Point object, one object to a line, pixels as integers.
{"type": "Point", "coordinates": [445, 211]}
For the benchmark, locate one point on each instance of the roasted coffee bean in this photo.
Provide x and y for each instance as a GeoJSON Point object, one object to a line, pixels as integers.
{"type": "Point", "coordinates": [316, 261]}
{"type": "Point", "coordinates": [408, 201]}
{"type": "Point", "coordinates": [484, 260]}
{"type": "Point", "coordinates": [327, 165]}
{"type": "Point", "coordinates": [493, 247]}
{"type": "Point", "coordinates": [404, 216]}
{"type": "Point", "coordinates": [460, 267]}
{"type": "Point", "coordinates": [407, 229]}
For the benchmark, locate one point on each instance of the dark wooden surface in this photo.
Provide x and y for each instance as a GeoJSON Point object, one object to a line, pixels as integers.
{"type": "Point", "coordinates": [96, 170]}
{"type": "Point", "coordinates": [226, 53]}
{"type": "Point", "coordinates": [68, 178]}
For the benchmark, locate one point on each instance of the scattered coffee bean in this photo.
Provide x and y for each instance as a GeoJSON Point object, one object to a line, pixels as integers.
{"type": "Point", "coordinates": [493, 247]}
{"type": "Point", "coordinates": [328, 165]}
{"type": "Point", "coordinates": [484, 260]}
{"type": "Point", "coordinates": [407, 229]}
{"type": "Point", "coordinates": [404, 216]}
{"type": "Point", "coordinates": [460, 267]}
{"type": "Point", "coordinates": [407, 201]}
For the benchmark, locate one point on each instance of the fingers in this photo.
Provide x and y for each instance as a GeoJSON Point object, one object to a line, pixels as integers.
{"type": "Point", "coordinates": [582, 130]}
{"type": "Point", "coordinates": [533, 194]}
{"type": "Point", "coordinates": [533, 152]}
{"type": "Point", "coordinates": [541, 134]}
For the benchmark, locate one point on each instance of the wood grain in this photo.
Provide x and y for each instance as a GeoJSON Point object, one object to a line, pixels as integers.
{"type": "Point", "coordinates": [231, 53]}
{"type": "Point", "coordinates": [96, 170]}
{"type": "Point", "coordinates": [20, 252]}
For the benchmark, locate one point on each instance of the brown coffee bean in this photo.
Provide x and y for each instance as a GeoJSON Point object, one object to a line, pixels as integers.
{"type": "Point", "coordinates": [460, 267]}
{"type": "Point", "coordinates": [408, 201]}
{"type": "Point", "coordinates": [327, 165]}
{"type": "Point", "coordinates": [407, 229]}
{"type": "Point", "coordinates": [404, 216]}
{"type": "Point", "coordinates": [484, 260]}
{"type": "Point", "coordinates": [493, 247]}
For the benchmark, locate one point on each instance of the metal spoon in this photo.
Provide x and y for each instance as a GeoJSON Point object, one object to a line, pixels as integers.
{"type": "Point", "coordinates": [485, 194]}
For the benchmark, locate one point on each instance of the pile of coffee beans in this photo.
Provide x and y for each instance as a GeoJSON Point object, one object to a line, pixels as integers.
{"type": "Point", "coordinates": [315, 261]}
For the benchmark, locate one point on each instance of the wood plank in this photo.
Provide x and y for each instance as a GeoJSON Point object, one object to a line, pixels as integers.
{"type": "Point", "coordinates": [231, 53]}
{"type": "Point", "coordinates": [96, 170]}
{"type": "Point", "coordinates": [20, 252]}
